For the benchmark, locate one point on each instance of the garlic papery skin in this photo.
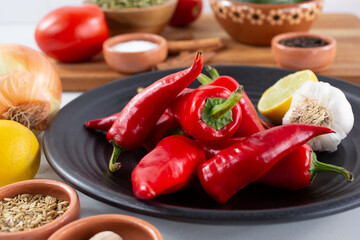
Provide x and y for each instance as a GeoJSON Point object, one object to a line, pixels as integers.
{"type": "Point", "coordinates": [319, 103]}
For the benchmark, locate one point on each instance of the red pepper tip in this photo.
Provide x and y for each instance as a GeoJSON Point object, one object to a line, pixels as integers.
{"type": "Point", "coordinates": [199, 55]}
{"type": "Point", "coordinates": [144, 191]}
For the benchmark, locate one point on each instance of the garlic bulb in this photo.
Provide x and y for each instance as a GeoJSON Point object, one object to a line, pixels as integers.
{"type": "Point", "coordinates": [321, 104]}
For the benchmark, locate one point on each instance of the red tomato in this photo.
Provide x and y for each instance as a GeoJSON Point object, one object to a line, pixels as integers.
{"type": "Point", "coordinates": [72, 33]}
{"type": "Point", "coordinates": [186, 12]}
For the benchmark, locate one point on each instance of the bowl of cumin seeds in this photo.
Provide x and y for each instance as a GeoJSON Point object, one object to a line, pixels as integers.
{"type": "Point", "coordinates": [36, 208]}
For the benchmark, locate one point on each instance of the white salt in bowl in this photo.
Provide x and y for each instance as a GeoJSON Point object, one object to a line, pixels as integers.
{"type": "Point", "coordinates": [134, 52]}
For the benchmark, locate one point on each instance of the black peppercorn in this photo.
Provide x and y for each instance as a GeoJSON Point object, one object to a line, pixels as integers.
{"type": "Point", "coordinates": [304, 42]}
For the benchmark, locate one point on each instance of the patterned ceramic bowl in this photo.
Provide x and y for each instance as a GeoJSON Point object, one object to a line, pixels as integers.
{"type": "Point", "coordinates": [259, 23]}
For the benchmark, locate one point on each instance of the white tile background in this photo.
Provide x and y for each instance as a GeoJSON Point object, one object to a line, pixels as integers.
{"type": "Point", "coordinates": [31, 11]}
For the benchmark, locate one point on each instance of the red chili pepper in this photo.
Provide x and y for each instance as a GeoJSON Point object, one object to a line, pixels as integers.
{"type": "Point", "coordinates": [266, 124]}
{"type": "Point", "coordinates": [246, 161]}
{"type": "Point", "coordinates": [105, 123]}
{"type": "Point", "coordinates": [169, 167]}
{"type": "Point", "coordinates": [296, 170]}
{"type": "Point", "coordinates": [211, 149]}
{"type": "Point", "coordinates": [251, 122]}
{"type": "Point", "coordinates": [102, 123]}
{"type": "Point", "coordinates": [209, 114]}
{"type": "Point", "coordinates": [139, 116]}
{"type": "Point", "coordinates": [165, 126]}
{"type": "Point", "coordinates": [299, 169]}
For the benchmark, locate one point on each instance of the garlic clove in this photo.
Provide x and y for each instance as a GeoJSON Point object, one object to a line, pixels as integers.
{"type": "Point", "coordinates": [106, 235]}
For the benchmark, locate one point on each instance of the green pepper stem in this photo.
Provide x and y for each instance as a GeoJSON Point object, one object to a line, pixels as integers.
{"type": "Point", "coordinates": [113, 164]}
{"type": "Point", "coordinates": [219, 110]}
{"type": "Point", "coordinates": [317, 167]}
{"type": "Point", "coordinates": [214, 74]}
{"type": "Point", "coordinates": [203, 79]}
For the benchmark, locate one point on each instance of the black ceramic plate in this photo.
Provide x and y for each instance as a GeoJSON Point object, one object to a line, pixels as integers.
{"type": "Point", "coordinates": [80, 156]}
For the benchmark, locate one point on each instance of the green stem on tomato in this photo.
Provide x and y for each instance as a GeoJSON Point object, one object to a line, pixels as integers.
{"type": "Point", "coordinates": [219, 110]}
{"type": "Point", "coordinates": [317, 167]}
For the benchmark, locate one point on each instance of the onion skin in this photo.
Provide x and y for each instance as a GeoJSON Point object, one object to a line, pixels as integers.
{"type": "Point", "coordinates": [28, 79]}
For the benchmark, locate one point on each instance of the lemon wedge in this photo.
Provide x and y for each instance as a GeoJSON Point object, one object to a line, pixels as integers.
{"type": "Point", "coordinates": [276, 100]}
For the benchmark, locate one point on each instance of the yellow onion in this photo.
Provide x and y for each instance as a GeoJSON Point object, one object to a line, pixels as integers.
{"type": "Point", "coordinates": [30, 87]}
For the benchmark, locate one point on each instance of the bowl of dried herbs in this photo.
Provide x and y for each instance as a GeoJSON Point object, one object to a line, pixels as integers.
{"type": "Point", "coordinates": [128, 16]}
{"type": "Point", "coordinates": [36, 208]}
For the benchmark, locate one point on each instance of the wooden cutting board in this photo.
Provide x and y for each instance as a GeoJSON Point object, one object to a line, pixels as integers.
{"type": "Point", "coordinates": [345, 28]}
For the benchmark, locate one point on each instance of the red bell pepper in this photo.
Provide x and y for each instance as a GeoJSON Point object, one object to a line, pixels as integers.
{"type": "Point", "coordinates": [209, 114]}
{"type": "Point", "coordinates": [246, 161]}
{"type": "Point", "coordinates": [170, 166]}
{"type": "Point", "coordinates": [251, 122]}
{"type": "Point", "coordinates": [139, 116]}
{"type": "Point", "coordinates": [299, 169]}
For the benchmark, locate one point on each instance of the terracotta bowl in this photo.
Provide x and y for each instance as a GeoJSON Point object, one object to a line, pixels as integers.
{"type": "Point", "coordinates": [259, 23]}
{"type": "Point", "coordinates": [126, 226]}
{"type": "Point", "coordinates": [134, 62]}
{"type": "Point", "coordinates": [47, 187]}
{"type": "Point", "coordinates": [151, 19]}
{"type": "Point", "coordinates": [314, 58]}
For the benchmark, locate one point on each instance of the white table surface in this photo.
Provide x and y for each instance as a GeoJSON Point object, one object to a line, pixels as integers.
{"type": "Point", "coordinates": [344, 226]}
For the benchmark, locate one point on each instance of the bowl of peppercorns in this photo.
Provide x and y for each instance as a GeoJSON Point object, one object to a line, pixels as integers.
{"type": "Point", "coordinates": [258, 21]}
{"type": "Point", "coordinates": [302, 50]}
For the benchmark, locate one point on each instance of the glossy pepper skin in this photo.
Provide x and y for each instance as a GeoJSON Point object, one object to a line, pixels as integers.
{"type": "Point", "coordinates": [251, 122]}
{"type": "Point", "coordinates": [140, 115]}
{"type": "Point", "coordinates": [211, 149]}
{"type": "Point", "coordinates": [248, 160]}
{"type": "Point", "coordinates": [104, 123]}
{"type": "Point", "coordinates": [165, 126]}
{"type": "Point", "coordinates": [189, 110]}
{"type": "Point", "coordinates": [169, 167]}
{"type": "Point", "coordinates": [296, 170]}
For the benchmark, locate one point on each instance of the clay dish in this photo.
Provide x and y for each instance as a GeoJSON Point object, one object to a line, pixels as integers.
{"type": "Point", "coordinates": [134, 62]}
{"type": "Point", "coordinates": [254, 23]}
{"type": "Point", "coordinates": [127, 227]}
{"type": "Point", "coordinates": [315, 58]}
{"type": "Point", "coordinates": [47, 187]}
{"type": "Point", "coordinates": [151, 19]}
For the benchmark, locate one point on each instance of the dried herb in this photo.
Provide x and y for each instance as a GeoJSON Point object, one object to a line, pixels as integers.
{"type": "Point", "coordinates": [117, 4]}
{"type": "Point", "coordinates": [27, 211]}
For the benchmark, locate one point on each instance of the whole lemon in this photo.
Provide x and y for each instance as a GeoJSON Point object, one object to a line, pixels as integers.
{"type": "Point", "coordinates": [19, 153]}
